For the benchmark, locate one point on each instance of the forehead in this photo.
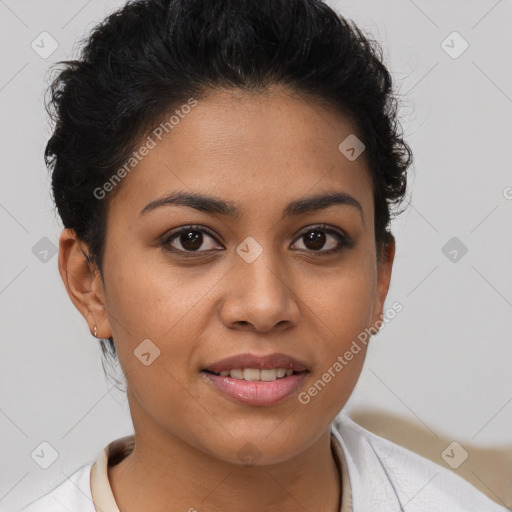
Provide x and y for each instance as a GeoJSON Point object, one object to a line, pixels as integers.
{"type": "Point", "coordinates": [246, 147]}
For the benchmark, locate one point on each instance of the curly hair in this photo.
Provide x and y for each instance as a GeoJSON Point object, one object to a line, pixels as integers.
{"type": "Point", "coordinates": [150, 56]}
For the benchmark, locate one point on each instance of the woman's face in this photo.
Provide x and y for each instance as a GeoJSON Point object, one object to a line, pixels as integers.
{"type": "Point", "coordinates": [301, 282]}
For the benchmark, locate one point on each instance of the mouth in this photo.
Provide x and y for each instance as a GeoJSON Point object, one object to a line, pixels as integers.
{"type": "Point", "coordinates": [255, 374]}
{"type": "Point", "coordinates": [256, 380]}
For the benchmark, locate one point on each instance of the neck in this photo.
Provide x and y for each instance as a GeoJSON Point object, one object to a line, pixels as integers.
{"type": "Point", "coordinates": [170, 475]}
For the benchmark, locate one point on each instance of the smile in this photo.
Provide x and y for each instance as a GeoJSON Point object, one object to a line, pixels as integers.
{"type": "Point", "coordinates": [255, 374]}
{"type": "Point", "coordinates": [255, 387]}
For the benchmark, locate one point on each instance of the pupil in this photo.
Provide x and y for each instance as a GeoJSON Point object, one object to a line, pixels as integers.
{"type": "Point", "coordinates": [191, 240]}
{"type": "Point", "coordinates": [316, 238]}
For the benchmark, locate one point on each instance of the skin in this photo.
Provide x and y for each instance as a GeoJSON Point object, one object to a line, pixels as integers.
{"type": "Point", "coordinates": [261, 152]}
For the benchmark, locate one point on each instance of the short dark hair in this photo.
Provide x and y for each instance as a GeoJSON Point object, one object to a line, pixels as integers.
{"type": "Point", "coordinates": [150, 56]}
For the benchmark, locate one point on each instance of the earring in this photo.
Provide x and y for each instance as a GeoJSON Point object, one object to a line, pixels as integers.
{"type": "Point", "coordinates": [95, 332]}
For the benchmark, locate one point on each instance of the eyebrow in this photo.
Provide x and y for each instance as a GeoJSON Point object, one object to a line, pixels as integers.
{"type": "Point", "coordinates": [215, 205]}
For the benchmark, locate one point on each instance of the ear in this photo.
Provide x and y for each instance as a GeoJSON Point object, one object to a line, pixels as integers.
{"type": "Point", "coordinates": [384, 267]}
{"type": "Point", "coordinates": [83, 282]}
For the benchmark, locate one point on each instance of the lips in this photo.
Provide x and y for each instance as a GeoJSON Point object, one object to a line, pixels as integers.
{"type": "Point", "coordinates": [256, 380]}
{"type": "Point", "coordinates": [251, 361]}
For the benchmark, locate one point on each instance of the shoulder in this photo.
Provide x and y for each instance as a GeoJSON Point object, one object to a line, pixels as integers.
{"type": "Point", "coordinates": [74, 493]}
{"type": "Point", "coordinates": [384, 475]}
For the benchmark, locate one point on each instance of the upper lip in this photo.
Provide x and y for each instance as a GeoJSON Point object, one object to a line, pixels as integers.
{"type": "Point", "coordinates": [263, 362]}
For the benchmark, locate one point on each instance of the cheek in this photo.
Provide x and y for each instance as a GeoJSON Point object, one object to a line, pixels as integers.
{"type": "Point", "coordinates": [343, 300]}
{"type": "Point", "coordinates": [148, 299]}
{"type": "Point", "coordinates": [168, 306]}
{"type": "Point", "coordinates": [341, 309]}
{"type": "Point", "coordinates": [161, 305]}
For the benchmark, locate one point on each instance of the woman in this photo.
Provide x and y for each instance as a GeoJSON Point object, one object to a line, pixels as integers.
{"type": "Point", "coordinates": [226, 173]}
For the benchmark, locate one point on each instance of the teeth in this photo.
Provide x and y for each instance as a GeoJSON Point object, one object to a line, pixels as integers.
{"type": "Point", "coordinates": [251, 374]}
{"type": "Point", "coordinates": [254, 374]}
{"type": "Point", "coordinates": [236, 374]}
{"type": "Point", "coordinates": [268, 375]}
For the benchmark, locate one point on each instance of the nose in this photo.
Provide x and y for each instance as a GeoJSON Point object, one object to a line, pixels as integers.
{"type": "Point", "coordinates": [260, 296]}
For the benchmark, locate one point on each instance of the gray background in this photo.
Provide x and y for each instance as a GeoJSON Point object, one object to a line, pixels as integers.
{"type": "Point", "coordinates": [439, 372]}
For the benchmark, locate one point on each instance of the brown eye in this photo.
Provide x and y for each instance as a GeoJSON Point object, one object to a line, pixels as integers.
{"type": "Point", "coordinates": [190, 239]}
{"type": "Point", "coordinates": [317, 238]}
{"type": "Point", "coordinates": [314, 240]}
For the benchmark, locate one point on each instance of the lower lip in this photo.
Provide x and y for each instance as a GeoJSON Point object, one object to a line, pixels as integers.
{"type": "Point", "coordinates": [257, 392]}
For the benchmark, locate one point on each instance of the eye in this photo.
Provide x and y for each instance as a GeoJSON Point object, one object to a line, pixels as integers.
{"type": "Point", "coordinates": [317, 237]}
{"type": "Point", "coordinates": [191, 239]}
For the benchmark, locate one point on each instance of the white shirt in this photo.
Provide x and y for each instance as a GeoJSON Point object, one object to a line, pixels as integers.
{"type": "Point", "coordinates": [376, 476]}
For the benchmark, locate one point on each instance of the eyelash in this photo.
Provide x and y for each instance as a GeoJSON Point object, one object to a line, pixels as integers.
{"type": "Point", "coordinates": [343, 240]}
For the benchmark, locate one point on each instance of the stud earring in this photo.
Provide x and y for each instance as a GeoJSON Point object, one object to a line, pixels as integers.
{"type": "Point", "coordinates": [95, 332]}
